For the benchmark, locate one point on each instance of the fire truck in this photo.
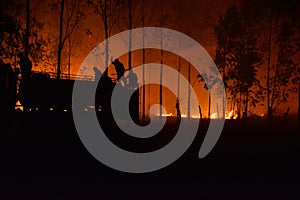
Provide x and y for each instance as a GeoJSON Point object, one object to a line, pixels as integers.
{"type": "Point", "coordinates": [43, 92]}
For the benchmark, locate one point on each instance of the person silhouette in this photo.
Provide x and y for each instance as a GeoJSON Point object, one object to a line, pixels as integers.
{"type": "Point", "coordinates": [25, 65]}
{"type": "Point", "coordinates": [132, 80]}
{"type": "Point", "coordinates": [132, 85]}
{"type": "Point", "coordinates": [98, 73]}
{"type": "Point", "coordinates": [178, 110]}
{"type": "Point", "coordinates": [119, 69]}
{"type": "Point", "coordinates": [200, 111]}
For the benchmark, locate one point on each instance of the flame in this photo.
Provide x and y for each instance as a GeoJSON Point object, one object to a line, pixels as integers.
{"type": "Point", "coordinates": [164, 115]}
{"type": "Point", "coordinates": [196, 116]}
{"type": "Point", "coordinates": [19, 106]}
{"type": "Point", "coordinates": [184, 116]}
{"type": "Point", "coordinates": [229, 115]}
{"type": "Point", "coordinates": [214, 116]}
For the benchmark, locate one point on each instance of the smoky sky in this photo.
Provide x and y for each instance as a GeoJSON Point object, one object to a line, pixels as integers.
{"type": "Point", "coordinates": [194, 18]}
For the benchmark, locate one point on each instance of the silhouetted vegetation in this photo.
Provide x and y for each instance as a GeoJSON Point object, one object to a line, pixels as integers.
{"type": "Point", "coordinates": [252, 38]}
{"type": "Point", "coordinates": [240, 55]}
{"type": "Point", "coordinates": [13, 33]}
{"type": "Point", "coordinates": [256, 48]}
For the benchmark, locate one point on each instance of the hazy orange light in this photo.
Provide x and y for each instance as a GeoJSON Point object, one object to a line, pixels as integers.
{"type": "Point", "coordinates": [231, 115]}
{"type": "Point", "coordinates": [165, 115]}
{"type": "Point", "coordinates": [214, 116]}
{"type": "Point", "coordinates": [19, 106]}
{"type": "Point", "coordinates": [196, 116]}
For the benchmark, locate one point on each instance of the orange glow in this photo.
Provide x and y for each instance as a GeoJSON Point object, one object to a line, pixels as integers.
{"type": "Point", "coordinates": [196, 116]}
{"type": "Point", "coordinates": [165, 115]}
{"type": "Point", "coordinates": [214, 116]}
{"type": "Point", "coordinates": [19, 106]}
{"type": "Point", "coordinates": [183, 116]}
{"type": "Point", "coordinates": [231, 115]}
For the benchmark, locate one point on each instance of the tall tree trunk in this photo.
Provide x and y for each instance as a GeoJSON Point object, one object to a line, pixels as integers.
{"type": "Point", "coordinates": [69, 46]}
{"type": "Point", "coordinates": [200, 112]}
{"type": "Point", "coordinates": [143, 58]}
{"type": "Point", "coordinates": [268, 70]}
{"type": "Point", "coordinates": [106, 35]}
{"type": "Point", "coordinates": [178, 77]}
{"type": "Point", "coordinates": [299, 102]}
{"type": "Point", "coordinates": [209, 102]}
{"type": "Point", "coordinates": [224, 106]}
{"type": "Point", "coordinates": [234, 102]}
{"type": "Point", "coordinates": [130, 34]}
{"type": "Point", "coordinates": [60, 44]}
{"type": "Point", "coordinates": [218, 115]}
{"type": "Point", "coordinates": [240, 106]}
{"type": "Point", "coordinates": [27, 28]}
{"type": "Point", "coordinates": [246, 103]}
{"type": "Point", "coordinates": [69, 59]}
{"type": "Point", "coordinates": [231, 104]}
{"type": "Point", "coordinates": [161, 60]}
{"type": "Point", "coordinates": [189, 92]}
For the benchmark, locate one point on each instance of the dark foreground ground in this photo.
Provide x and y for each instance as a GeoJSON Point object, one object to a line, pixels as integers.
{"type": "Point", "coordinates": [42, 157]}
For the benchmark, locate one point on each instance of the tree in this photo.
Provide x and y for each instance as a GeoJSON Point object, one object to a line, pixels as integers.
{"type": "Point", "coordinates": [284, 69]}
{"type": "Point", "coordinates": [60, 42]}
{"type": "Point", "coordinates": [108, 13]}
{"type": "Point", "coordinates": [281, 41]}
{"type": "Point", "coordinates": [138, 13]}
{"type": "Point", "coordinates": [145, 7]}
{"type": "Point", "coordinates": [143, 61]}
{"type": "Point", "coordinates": [130, 14]}
{"type": "Point", "coordinates": [182, 25]}
{"type": "Point", "coordinates": [71, 14]}
{"type": "Point", "coordinates": [250, 60]}
{"type": "Point", "coordinates": [10, 30]}
{"type": "Point", "coordinates": [27, 28]}
{"type": "Point", "coordinates": [14, 32]}
{"type": "Point", "coordinates": [161, 60]}
{"type": "Point", "coordinates": [237, 58]}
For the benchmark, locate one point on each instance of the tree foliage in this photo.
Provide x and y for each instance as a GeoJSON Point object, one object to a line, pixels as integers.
{"type": "Point", "coordinates": [12, 33]}
{"type": "Point", "coordinates": [284, 69]}
{"type": "Point", "coordinates": [238, 58]}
